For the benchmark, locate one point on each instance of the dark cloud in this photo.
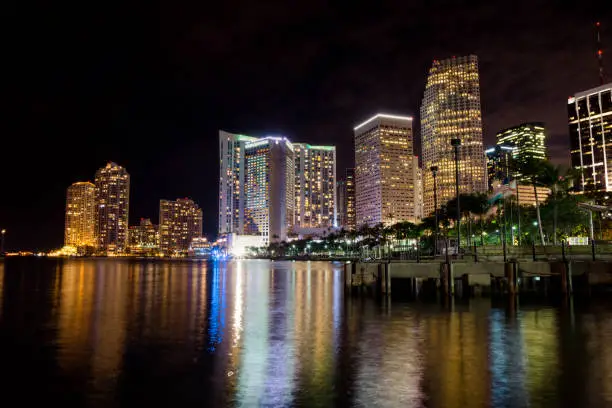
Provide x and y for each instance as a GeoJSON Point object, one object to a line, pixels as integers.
{"type": "Point", "coordinates": [149, 84]}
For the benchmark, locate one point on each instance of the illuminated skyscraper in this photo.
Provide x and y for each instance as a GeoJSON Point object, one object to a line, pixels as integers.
{"type": "Point", "coordinates": [315, 186]}
{"type": "Point", "coordinates": [383, 170]}
{"type": "Point", "coordinates": [180, 221]}
{"type": "Point", "coordinates": [418, 189]}
{"type": "Point", "coordinates": [590, 126]}
{"type": "Point", "coordinates": [499, 163]}
{"type": "Point", "coordinates": [112, 208]}
{"type": "Point", "coordinates": [231, 182]}
{"type": "Point", "coordinates": [450, 110]}
{"type": "Point", "coordinates": [341, 203]}
{"type": "Point", "coordinates": [144, 238]}
{"type": "Point", "coordinates": [527, 140]}
{"type": "Point", "coordinates": [80, 215]}
{"type": "Point", "coordinates": [269, 188]}
{"type": "Point", "coordinates": [349, 203]}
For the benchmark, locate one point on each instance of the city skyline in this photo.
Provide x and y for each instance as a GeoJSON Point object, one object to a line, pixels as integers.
{"type": "Point", "coordinates": [520, 141]}
{"type": "Point", "coordinates": [160, 119]}
{"type": "Point", "coordinates": [111, 191]}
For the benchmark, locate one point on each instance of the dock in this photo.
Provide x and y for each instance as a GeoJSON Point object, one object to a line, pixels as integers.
{"type": "Point", "coordinates": [467, 278]}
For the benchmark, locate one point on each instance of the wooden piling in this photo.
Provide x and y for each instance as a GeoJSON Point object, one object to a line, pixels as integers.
{"type": "Point", "coordinates": [510, 273]}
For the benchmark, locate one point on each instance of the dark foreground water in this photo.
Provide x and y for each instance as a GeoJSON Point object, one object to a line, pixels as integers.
{"type": "Point", "coordinates": [254, 333]}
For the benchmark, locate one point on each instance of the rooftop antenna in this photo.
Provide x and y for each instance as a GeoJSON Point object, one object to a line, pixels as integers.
{"type": "Point", "coordinates": [602, 74]}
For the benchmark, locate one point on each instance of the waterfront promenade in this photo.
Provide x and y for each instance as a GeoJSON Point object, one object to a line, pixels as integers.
{"type": "Point", "coordinates": [540, 270]}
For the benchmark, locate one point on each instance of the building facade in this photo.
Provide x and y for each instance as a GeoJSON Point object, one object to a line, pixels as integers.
{"type": "Point", "coordinates": [231, 181]}
{"type": "Point", "coordinates": [315, 186]}
{"type": "Point", "coordinates": [527, 139]}
{"type": "Point", "coordinates": [341, 203]}
{"type": "Point", "coordinates": [80, 225]}
{"type": "Point", "coordinates": [200, 247]}
{"type": "Point", "coordinates": [384, 178]}
{"type": "Point", "coordinates": [269, 188]}
{"type": "Point", "coordinates": [499, 163]}
{"type": "Point", "coordinates": [349, 201]}
{"type": "Point", "coordinates": [418, 189]}
{"type": "Point", "coordinates": [527, 197]}
{"type": "Point", "coordinates": [180, 221]}
{"type": "Point", "coordinates": [144, 238]}
{"type": "Point", "coordinates": [451, 110]}
{"type": "Point", "coordinates": [112, 183]}
{"type": "Point", "coordinates": [590, 128]}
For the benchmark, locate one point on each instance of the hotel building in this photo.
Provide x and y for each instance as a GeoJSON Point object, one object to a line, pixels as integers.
{"type": "Point", "coordinates": [590, 128]}
{"type": "Point", "coordinates": [231, 182]}
{"type": "Point", "coordinates": [269, 188]}
{"type": "Point", "coordinates": [315, 186]}
{"type": "Point", "coordinates": [451, 110]}
{"type": "Point", "coordinates": [384, 177]}
{"type": "Point", "coordinates": [80, 223]}
{"type": "Point", "coordinates": [180, 221]}
{"type": "Point", "coordinates": [112, 191]}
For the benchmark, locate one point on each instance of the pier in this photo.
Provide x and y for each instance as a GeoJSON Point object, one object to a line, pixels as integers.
{"type": "Point", "coordinates": [467, 278]}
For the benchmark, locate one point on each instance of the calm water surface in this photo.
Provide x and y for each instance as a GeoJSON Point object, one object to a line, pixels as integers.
{"type": "Point", "coordinates": [255, 333]}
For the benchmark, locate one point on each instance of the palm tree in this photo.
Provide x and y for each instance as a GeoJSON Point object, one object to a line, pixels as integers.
{"type": "Point", "coordinates": [365, 231]}
{"type": "Point", "coordinates": [471, 205]}
{"type": "Point", "coordinates": [550, 176]}
{"type": "Point", "coordinates": [476, 205]}
{"type": "Point", "coordinates": [352, 237]}
{"type": "Point", "coordinates": [532, 170]}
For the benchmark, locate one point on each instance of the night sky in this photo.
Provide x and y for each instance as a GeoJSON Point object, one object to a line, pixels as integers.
{"type": "Point", "coordinates": [148, 85]}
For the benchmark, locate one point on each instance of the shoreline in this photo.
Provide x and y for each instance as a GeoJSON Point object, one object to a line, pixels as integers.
{"type": "Point", "coordinates": [174, 259]}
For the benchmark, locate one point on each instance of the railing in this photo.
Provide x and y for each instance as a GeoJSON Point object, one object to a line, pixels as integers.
{"type": "Point", "coordinates": [601, 250]}
{"type": "Point", "coordinates": [562, 251]}
{"type": "Point", "coordinates": [597, 250]}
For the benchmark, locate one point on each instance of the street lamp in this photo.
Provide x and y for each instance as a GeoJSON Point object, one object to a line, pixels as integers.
{"type": "Point", "coordinates": [456, 143]}
{"type": "Point", "coordinates": [434, 173]}
{"type": "Point", "coordinates": [3, 232]}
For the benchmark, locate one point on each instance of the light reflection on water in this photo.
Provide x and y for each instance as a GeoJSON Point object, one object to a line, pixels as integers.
{"type": "Point", "coordinates": [249, 333]}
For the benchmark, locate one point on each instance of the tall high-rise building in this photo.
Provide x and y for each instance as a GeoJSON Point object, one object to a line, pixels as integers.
{"type": "Point", "coordinates": [590, 127]}
{"type": "Point", "coordinates": [499, 163]}
{"type": "Point", "coordinates": [418, 189]}
{"type": "Point", "coordinates": [349, 203]}
{"type": "Point", "coordinates": [112, 208]}
{"type": "Point", "coordinates": [527, 140]}
{"type": "Point", "coordinates": [269, 188]}
{"type": "Point", "coordinates": [180, 221]}
{"type": "Point", "coordinates": [144, 238]}
{"type": "Point", "coordinates": [341, 203]}
{"type": "Point", "coordinates": [451, 110]}
{"type": "Point", "coordinates": [80, 225]}
{"type": "Point", "coordinates": [383, 170]}
{"type": "Point", "coordinates": [315, 185]}
{"type": "Point", "coordinates": [231, 182]}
